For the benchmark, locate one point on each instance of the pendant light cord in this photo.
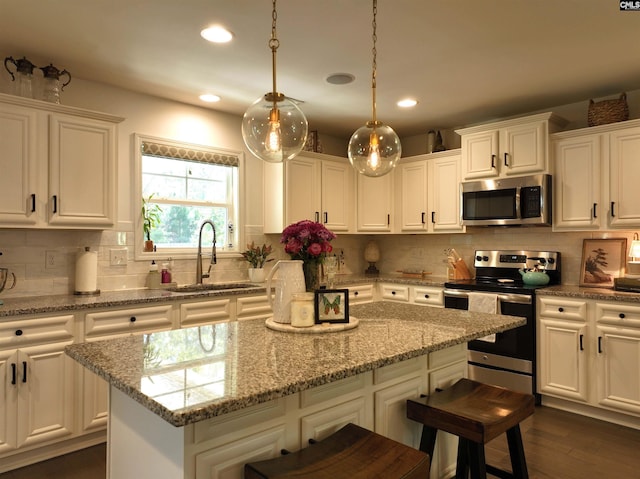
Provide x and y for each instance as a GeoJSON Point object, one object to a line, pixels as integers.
{"type": "Point", "coordinates": [374, 64]}
{"type": "Point", "coordinates": [274, 43]}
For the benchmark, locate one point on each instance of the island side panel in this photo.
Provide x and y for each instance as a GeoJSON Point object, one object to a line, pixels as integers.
{"type": "Point", "coordinates": [141, 445]}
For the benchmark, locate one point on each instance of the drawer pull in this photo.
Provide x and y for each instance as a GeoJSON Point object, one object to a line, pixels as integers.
{"type": "Point", "coordinates": [393, 293]}
{"type": "Point", "coordinates": [24, 371]}
{"type": "Point", "coordinates": [132, 319]}
{"type": "Point", "coordinates": [561, 310]}
{"type": "Point", "coordinates": [621, 316]}
{"type": "Point", "coordinates": [18, 332]}
{"type": "Point", "coordinates": [356, 293]}
{"type": "Point", "coordinates": [426, 296]}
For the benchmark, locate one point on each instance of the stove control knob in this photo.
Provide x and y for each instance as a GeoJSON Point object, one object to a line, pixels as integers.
{"type": "Point", "coordinates": [485, 258]}
{"type": "Point", "coordinates": [478, 258]}
{"type": "Point", "coordinates": [551, 260]}
{"type": "Point", "coordinates": [543, 261]}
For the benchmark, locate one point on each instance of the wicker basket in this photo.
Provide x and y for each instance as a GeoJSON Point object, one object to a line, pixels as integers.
{"type": "Point", "coordinates": [608, 111]}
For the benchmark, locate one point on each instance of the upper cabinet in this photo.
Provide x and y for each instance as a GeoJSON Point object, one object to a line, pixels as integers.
{"type": "Point", "coordinates": [59, 165]}
{"type": "Point", "coordinates": [312, 186]}
{"type": "Point", "coordinates": [375, 203]}
{"type": "Point", "coordinates": [596, 171]}
{"type": "Point", "coordinates": [428, 193]}
{"type": "Point", "coordinates": [508, 148]}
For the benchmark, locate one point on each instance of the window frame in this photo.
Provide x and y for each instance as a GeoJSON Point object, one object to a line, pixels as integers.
{"type": "Point", "coordinates": [184, 253]}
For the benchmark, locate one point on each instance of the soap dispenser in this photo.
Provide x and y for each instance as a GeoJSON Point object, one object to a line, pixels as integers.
{"type": "Point", "coordinates": [153, 278]}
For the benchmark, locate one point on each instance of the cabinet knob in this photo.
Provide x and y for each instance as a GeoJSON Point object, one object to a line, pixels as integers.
{"type": "Point", "coordinates": [426, 296]}
{"type": "Point", "coordinates": [393, 293]}
{"type": "Point", "coordinates": [18, 332]}
{"type": "Point", "coordinates": [561, 309]}
{"type": "Point", "coordinates": [621, 316]}
{"type": "Point", "coordinates": [355, 293]}
{"type": "Point", "coordinates": [132, 319]}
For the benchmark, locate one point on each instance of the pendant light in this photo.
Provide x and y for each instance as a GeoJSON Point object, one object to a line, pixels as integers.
{"type": "Point", "coordinates": [374, 149]}
{"type": "Point", "coordinates": [274, 128]}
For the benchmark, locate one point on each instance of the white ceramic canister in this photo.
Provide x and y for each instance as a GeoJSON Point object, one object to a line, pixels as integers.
{"type": "Point", "coordinates": [302, 311]}
{"type": "Point", "coordinates": [290, 281]}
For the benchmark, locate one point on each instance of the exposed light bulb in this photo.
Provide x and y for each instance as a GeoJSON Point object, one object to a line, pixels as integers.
{"type": "Point", "coordinates": [373, 159]}
{"type": "Point", "coordinates": [273, 141]}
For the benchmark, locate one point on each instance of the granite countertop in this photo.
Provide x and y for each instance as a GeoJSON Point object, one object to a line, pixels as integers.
{"type": "Point", "coordinates": [70, 302]}
{"type": "Point", "coordinates": [579, 292]}
{"type": "Point", "coordinates": [188, 375]}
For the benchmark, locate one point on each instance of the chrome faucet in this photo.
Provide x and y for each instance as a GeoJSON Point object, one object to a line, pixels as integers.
{"type": "Point", "coordinates": [199, 274]}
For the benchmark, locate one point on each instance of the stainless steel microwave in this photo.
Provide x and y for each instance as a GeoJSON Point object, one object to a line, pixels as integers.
{"type": "Point", "coordinates": [524, 200]}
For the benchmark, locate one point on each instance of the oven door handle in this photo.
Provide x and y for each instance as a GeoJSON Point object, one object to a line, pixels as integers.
{"type": "Point", "coordinates": [503, 298]}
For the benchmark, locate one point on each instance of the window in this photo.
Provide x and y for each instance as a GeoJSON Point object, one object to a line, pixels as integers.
{"type": "Point", "coordinates": [187, 184]}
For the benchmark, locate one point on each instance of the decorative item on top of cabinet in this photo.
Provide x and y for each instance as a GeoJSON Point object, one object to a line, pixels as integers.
{"type": "Point", "coordinates": [509, 147]}
{"type": "Point", "coordinates": [608, 111]}
{"type": "Point", "coordinates": [77, 145]}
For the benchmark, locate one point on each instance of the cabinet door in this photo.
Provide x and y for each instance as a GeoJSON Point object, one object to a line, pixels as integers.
{"type": "Point", "coordinates": [9, 402]}
{"type": "Point", "coordinates": [46, 392]}
{"type": "Point", "coordinates": [82, 166]}
{"type": "Point", "coordinates": [18, 181]}
{"type": "Point", "coordinates": [375, 202]}
{"type": "Point", "coordinates": [624, 206]}
{"type": "Point", "coordinates": [578, 201]}
{"type": "Point", "coordinates": [523, 149]}
{"type": "Point", "coordinates": [444, 195]}
{"type": "Point", "coordinates": [302, 189]}
{"type": "Point", "coordinates": [480, 155]}
{"type": "Point", "coordinates": [390, 412]}
{"type": "Point", "coordinates": [563, 359]}
{"type": "Point", "coordinates": [618, 357]}
{"type": "Point", "coordinates": [412, 178]}
{"type": "Point", "coordinates": [337, 195]}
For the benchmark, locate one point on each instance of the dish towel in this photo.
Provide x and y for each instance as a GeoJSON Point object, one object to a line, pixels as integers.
{"type": "Point", "coordinates": [484, 303]}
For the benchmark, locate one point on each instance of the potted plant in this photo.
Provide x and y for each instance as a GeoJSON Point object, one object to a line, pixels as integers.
{"type": "Point", "coordinates": [150, 219]}
{"type": "Point", "coordinates": [257, 257]}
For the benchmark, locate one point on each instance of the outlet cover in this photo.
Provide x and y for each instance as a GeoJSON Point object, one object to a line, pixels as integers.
{"type": "Point", "coordinates": [118, 256]}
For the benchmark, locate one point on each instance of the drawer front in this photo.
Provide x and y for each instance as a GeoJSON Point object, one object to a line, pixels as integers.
{"type": "Point", "coordinates": [444, 357]}
{"type": "Point", "coordinates": [360, 294]}
{"type": "Point", "coordinates": [205, 312]}
{"type": "Point", "coordinates": [107, 323]}
{"type": "Point", "coordinates": [562, 308]}
{"type": "Point", "coordinates": [36, 330]}
{"type": "Point", "coordinates": [395, 292]}
{"type": "Point", "coordinates": [253, 307]}
{"type": "Point", "coordinates": [428, 295]}
{"type": "Point", "coordinates": [618, 314]}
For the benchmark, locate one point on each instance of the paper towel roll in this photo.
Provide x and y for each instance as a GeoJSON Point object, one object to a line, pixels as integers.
{"type": "Point", "coordinates": [87, 272]}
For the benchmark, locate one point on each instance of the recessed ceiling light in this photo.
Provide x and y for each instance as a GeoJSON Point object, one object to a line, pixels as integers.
{"type": "Point", "coordinates": [340, 78]}
{"type": "Point", "coordinates": [217, 34]}
{"type": "Point", "coordinates": [407, 103]}
{"type": "Point", "coordinates": [209, 98]}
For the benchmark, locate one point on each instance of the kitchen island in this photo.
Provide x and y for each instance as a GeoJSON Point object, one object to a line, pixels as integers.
{"type": "Point", "coordinates": [200, 402]}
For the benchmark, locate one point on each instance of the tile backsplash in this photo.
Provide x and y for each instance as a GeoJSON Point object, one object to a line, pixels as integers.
{"type": "Point", "coordinates": [44, 260]}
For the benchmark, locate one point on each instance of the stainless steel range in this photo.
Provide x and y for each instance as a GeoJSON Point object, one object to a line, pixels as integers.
{"type": "Point", "coordinates": [507, 359]}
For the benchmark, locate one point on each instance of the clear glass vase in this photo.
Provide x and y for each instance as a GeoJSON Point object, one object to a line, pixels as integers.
{"type": "Point", "coordinates": [311, 271]}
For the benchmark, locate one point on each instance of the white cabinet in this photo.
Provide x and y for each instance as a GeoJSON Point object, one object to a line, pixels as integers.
{"type": "Point", "coordinates": [361, 293]}
{"type": "Point", "coordinates": [424, 295]}
{"type": "Point", "coordinates": [562, 342]}
{"type": "Point", "coordinates": [578, 183]}
{"type": "Point", "coordinates": [428, 189]}
{"type": "Point", "coordinates": [617, 345]}
{"type": "Point", "coordinates": [49, 150]}
{"type": "Point", "coordinates": [509, 147]}
{"type": "Point", "coordinates": [253, 307]}
{"type": "Point", "coordinates": [108, 324]}
{"type": "Point", "coordinates": [195, 313]}
{"type": "Point", "coordinates": [394, 292]}
{"type": "Point", "coordinates": [38, 388]}
{"type": "Point", "coordinates": [312, 186]}
{"type": "Point", "coordinates": [589, 352]}
{"type": "Point", "coordinates": [595, 180]}
{"type": "Point", "coordinates": [375, 203]}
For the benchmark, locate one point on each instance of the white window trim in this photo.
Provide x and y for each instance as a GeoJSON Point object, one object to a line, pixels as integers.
{"type": "Point", "coordinates": [222, 252]}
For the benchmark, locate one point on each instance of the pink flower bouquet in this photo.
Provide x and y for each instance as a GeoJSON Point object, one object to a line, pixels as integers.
{"type": "Point", "coordinates": [307, 240]}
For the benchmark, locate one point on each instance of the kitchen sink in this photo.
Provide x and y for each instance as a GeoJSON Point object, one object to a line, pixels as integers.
{"type": "Point", "coordinates": [195, 288]}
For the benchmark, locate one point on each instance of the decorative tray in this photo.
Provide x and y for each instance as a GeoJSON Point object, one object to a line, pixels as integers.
{"type": "Point", "coordinates": [316, 328]}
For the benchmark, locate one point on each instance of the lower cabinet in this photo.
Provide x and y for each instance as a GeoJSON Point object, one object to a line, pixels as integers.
{"type": "Point", "coordinates": [424, 295]}
{"type": "Point", "coordinates": [219, 447]}
{"type": "Point", "coordinates": [589, 354]}
{"type": "Point", "coordinates": [38, 385]}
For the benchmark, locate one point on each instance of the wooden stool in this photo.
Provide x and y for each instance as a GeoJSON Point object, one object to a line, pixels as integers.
{"type": "Point", "coordinates": [352, 452]}
{"type": "Point", "coordinates": [476, 413]}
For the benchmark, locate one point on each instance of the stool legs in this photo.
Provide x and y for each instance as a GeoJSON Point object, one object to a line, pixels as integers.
{"type": "Point", "coordinates": [516, 451]}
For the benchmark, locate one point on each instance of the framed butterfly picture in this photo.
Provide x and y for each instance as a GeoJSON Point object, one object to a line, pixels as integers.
{"type": "Point", "coordinates": [332, 306]}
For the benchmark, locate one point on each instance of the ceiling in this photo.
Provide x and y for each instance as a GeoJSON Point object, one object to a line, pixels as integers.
{"type": "Point", "coordinates": [465, 61]}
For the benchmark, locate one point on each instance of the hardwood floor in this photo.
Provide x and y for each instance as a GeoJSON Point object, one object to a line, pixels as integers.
{"type": "Point", "coordinates": [558, 445]}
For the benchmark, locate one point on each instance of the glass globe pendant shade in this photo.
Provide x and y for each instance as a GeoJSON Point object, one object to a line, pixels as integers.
{"type": "Point", "coordinates": [374, 149]}
{"type": "Point", "coordinates": [274, 134]}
